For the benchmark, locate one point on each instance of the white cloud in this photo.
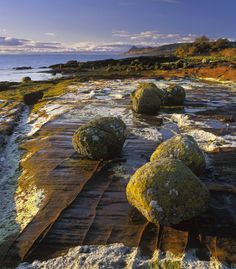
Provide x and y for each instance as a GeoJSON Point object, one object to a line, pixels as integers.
{"type": "Point", "coordinates": [120, 33]}
{"type": "Point", "coordinates": [123, 40]}
{"type": "Point", "coordinates": [154, 36]}
{"type": "Point", "coordinates": [50, 34]}
{"type": "Point", "coordinates": [16, 45]}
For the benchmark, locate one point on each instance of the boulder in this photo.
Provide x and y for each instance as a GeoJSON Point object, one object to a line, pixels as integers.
{"type": "Point", "coordinates": [174, 96]}
{"type": "Point", "coordinates": [184, 148]}
{"type": "Point", "coordinates": [25, 79]}
{"type": "Point", "coordinates": [101, 138]}
{"type": "Point", "coordinates": [167, 192]}
{"type": "Point", "coordinates": [147, 98]}
{"type": "Point", "coordinates": [33, 97]}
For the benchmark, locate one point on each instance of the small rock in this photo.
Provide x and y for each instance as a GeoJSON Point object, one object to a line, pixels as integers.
{"type": "Point", "coordinates": [184, 148]}
{"type": "Point", "coordinates": [101, 138]}
{"type": "Point", "coordinates": [174, 96]}
{"type": "Point", "coordinates": [25, 79]}
{"type": "Point", "coordinates": [167, 192]}
{"type": "Point", "coordinates": [147, 98]}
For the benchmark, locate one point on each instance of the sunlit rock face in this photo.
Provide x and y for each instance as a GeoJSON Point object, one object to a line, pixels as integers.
{"type": "Point", "coordinates": [147, 98]}
{"type": "Point", "coordinates": [174, 96]}
{"type": "Point", "coordinates": [101, 138]}
{"type": "Point", "coordinates": [184, 148]}
{"type": "Point", "coordinates": [167, 192]}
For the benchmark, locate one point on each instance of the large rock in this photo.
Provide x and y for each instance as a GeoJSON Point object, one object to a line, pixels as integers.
{"type": "Point", "coordinates": [167, 192]}
{"type": "Point", "coordinates": [174, 96]}
{"type": "Point", "coordinates": [33, 97]}
{"type": "Point", "coordinates": [147, 98]}
{"type": "Point", "coordinates": [184, 148]}
{"type": "Point", "coordinates": [101, 138]}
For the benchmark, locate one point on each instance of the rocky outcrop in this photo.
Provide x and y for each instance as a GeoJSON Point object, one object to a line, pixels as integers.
{"type": "Point", "coordinates": [174, 96]}
{"type": "Point", "coordinates": [184, 148]}
{"type": "Point", "coordinates": [167, 192]}
{"type": "Point", "coordinates": [147, 98]}
{"type": "Point", "coordinates": [101, 138]}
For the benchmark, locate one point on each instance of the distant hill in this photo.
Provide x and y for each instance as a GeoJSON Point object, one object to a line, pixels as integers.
{"type": "Point", "coordinates": [170, 49]}
{"type": "Point", "coordinates": [154, 51]}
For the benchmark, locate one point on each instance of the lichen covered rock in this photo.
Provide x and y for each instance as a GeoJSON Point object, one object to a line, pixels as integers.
{"type": "Point", "coordinates": [174, 96]}
{"type": "Point", "coordinates": [101, 138]}
{"type": "Point", "coordinates": [167, 192]}
{"type": "Point", "coordinates": [147, 98]}
{"type": "Point", "coordinates": [184, 148]}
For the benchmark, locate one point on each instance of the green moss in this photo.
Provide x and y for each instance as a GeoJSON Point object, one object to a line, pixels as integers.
{"type": "Point", "coordinates": [101, 138]}
{"type": "Point", "coordinates": [51, 89]}
{"type": "Point", "coordinates": [170, 264]}
{"type": "Point", "coordinates": [146, 98]}
{"type": "Point", "coordinates": [184, 148]}
{"type": "Point", "coordinates": [167, 192]}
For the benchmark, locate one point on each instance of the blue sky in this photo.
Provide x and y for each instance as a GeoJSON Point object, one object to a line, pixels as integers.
{"type": "Point", "coordinates": [110, 25]}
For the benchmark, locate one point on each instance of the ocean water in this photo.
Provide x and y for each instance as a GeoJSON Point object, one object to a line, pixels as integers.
{"type": "Point", "coordinates": [8, 62]}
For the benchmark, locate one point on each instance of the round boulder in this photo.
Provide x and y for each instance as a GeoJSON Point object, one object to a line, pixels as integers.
{"type": "Point", "coordinates": [147, 98]}
{"type": "Point", "coordinates": [25, 79]}
{"type": "Point", "coordinates": [184, 148]}
{"type": "Point", "coordinates": [167, 192]}
{"type": "Point", "coordinates": [174, 96]}
{"type": "Point", "coordinates": [101, 138]}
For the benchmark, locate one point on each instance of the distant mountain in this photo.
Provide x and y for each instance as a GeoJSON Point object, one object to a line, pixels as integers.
{"type": "Point", "coordinates": [154, 51]}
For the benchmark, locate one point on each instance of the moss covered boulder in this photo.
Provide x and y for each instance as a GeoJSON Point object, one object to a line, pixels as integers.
{"type": "Point", "coordinates": [147, 98]}
{"type": "Point", "coordinates": [184, 148]}
{"type": "Point", "coordinates": [101, 138]}
{"type": "Point", "coordinates": [167, 192]}
{"type": "Point", "coordinates": [174, 96]}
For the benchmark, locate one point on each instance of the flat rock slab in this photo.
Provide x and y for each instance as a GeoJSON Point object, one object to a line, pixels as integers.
{"type": "Point", "coordinates": [86, 205]}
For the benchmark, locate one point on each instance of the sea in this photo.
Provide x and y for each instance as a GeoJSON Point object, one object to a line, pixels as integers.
{"type": "Point", "coordinates": [40, 64]}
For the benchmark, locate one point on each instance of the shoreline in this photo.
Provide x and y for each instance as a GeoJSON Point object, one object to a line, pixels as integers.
{"type": "Point", "coordinates": [51, 101]}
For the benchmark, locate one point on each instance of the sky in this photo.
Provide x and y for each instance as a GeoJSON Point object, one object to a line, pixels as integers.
{"type": "Point", "coordinates": [104, 26]}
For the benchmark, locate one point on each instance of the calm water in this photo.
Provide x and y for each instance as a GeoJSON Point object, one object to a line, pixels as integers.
{"type": "Point", "coordinates": [8, 62]}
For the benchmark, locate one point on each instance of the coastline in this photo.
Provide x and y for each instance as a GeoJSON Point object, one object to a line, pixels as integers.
{"type": "Point", "coordinates": [60, 96]}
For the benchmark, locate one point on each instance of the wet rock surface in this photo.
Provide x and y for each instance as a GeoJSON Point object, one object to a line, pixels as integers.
{"type": "Point", "coordinates": [167, 192]}
{"type": "Point", "coordinates": [101, 138]}
{"type": "Point", "coordinates": [10, 113]}
{"type": "Point", "coordinates": [94, 210]}
{"type": "Point", "coordinates": [184, 148]}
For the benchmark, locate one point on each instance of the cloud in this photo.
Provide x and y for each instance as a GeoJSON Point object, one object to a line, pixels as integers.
{"type": "Point", "coordinates": [122, 33]}
{"type": "Point", "coordinates": [10, 41]}
{"type": "Point", "coordinates": [16, 45]}
{"type": "Point", "coordinates": [121, 41]}
{"type": "Point", "coordinates": [50, 34]}
{"type": "Point", "coordinates": [151, 36]}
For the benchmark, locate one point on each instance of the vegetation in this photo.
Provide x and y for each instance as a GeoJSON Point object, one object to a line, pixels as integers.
{"type": "Point", "coordinates": [50, 89]}
{"type": "Point", "coordinates": [204, 46]}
